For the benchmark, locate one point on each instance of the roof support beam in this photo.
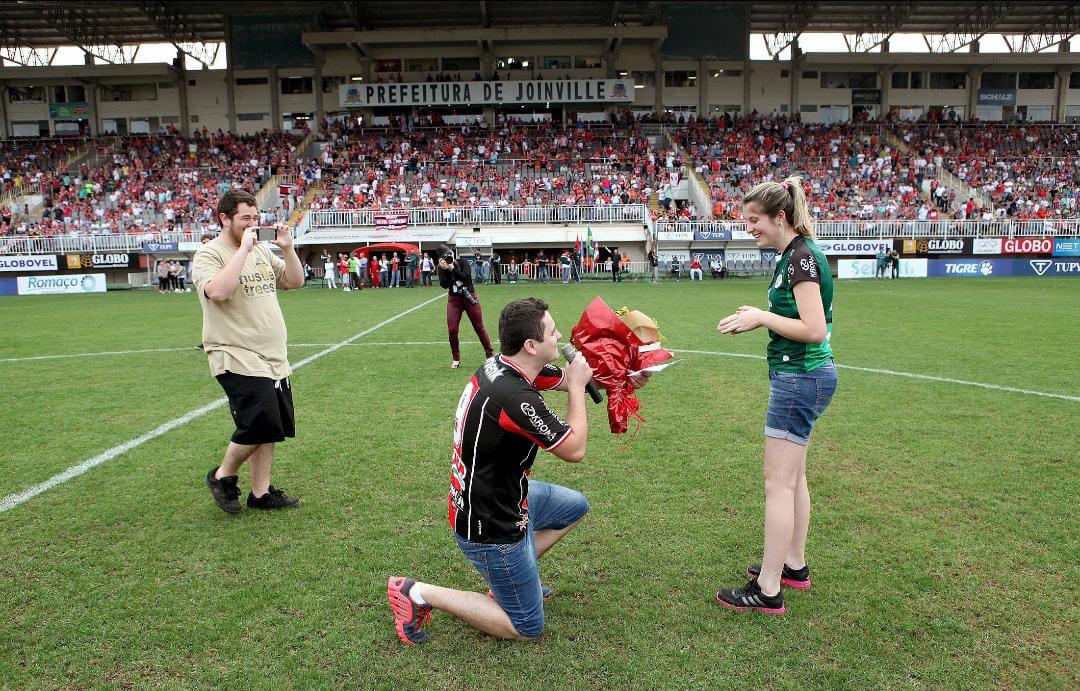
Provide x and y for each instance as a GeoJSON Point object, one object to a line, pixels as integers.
{"type": "Point", "coordinates": [17, 50]}
{"type": "Point", "coordinates": [176, 30]}
{"type": "Point", "coordinates": [88, 36]}
{"type": "Point", "coordinates": [889, 20]}
{"type": "Point", "coordinates": [1062, 27]}
{"type": "Point", "coordinates": [973, 27]}
{"type": "Point", "coordinates": [796, 21]}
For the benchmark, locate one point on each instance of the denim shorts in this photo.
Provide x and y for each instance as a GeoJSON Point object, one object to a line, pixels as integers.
{"type": "Point", "coordinates": [797, 400]}
{"type": "Point", "coordinates": [511, 569]}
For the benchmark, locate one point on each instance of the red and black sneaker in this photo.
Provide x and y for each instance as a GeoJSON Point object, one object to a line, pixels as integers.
{"type": "Point", "coordinates": [799, 579]}
{"type": "Point", "coordinates": [409, 617]}
{"type": "Point", "coordinates": [750, 597]}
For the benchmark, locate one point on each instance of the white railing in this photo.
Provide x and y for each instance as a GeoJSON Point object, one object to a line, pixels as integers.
{"type": "Point", "coordinates": [854, 229]}
{"type": "Point", "coordinates": [478, 216]}
{"type": "Point", "coordinates": [858, 228]}
{"type": "Point", "coordinates": [58, 244]}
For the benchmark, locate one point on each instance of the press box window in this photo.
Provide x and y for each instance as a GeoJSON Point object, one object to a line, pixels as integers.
{"type": "Point", "coordinates": [296, 85]}
{"type": "Point", "coordinates": [556, 62]}
{"type": "Point", "coordinates": [680, 78]}
{"type": "Point", "coordinates": [252, 81]}
{"type": "Point", "coordinates": [1036, 80]}
{"type": "Point", "coordinates": [848, 80]}
{"type": "Point", "coordinates": [998, 80]}
{"type": "Point", "coordinates": [587, 62]}
{"type": "Point", "coordinates": [948, 80]}
{"type": "Point", "coordinates": [463, 64]}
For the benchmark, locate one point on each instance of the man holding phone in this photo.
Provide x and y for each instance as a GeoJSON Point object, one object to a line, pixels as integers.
{"type": "Point", "coordinates": [237, 278]}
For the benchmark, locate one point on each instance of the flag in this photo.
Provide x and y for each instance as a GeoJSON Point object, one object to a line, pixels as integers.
{"type": "Point", "coordinates": [590, 246]}
{"type": "Point", "coordinates": [577, 244]}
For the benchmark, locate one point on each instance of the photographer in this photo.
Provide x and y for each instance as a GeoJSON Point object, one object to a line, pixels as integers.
{"type": "Point", "coordinates": [454, 275]}
{"type": "Point", "coordinates": [237, 279]}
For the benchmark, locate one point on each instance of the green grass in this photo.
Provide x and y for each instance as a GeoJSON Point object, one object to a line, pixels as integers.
{"type": "Point", "coordinates": [943, 541]}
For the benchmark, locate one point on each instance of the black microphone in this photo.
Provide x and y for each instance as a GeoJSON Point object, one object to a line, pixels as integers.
{"type": "Point", "coordinates": [570, 353]}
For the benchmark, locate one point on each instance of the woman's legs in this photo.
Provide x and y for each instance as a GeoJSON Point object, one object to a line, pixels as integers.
{"type": "Point", "coordinates": [785, 461]}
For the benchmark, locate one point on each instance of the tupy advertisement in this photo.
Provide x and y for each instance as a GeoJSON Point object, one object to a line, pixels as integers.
{"type": "Point", "coordinates": [1027, 246]}
{"type": "Point", "coordinates": [65, 284]}
{"type": "Point", "coordinates": [854, 247]}
{"type": "Point", "coordinates": [1046, 267]}
{"type": "Point", "coordinates": [39, 262]}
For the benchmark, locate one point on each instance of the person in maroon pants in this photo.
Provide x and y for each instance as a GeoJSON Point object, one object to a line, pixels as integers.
{"type": "Point", "coordinates": [454, 275]}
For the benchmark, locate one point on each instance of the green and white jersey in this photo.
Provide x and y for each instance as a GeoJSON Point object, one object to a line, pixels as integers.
{"type": "Point", "coordinates": [800, 261]}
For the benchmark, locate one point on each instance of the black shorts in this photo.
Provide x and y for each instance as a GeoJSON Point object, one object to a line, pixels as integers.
{"type": "Point", "coordinates": [262, 408]}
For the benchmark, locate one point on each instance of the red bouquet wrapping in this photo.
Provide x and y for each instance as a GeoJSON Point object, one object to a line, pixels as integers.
{"type": "Point", "coordinates": [615, 345]}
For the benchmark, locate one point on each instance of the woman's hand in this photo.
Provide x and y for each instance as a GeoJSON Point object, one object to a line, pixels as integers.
{"type": "Point", "coordinates": [746, 318]}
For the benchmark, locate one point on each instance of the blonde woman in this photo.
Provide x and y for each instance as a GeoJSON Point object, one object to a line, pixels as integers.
{"type": "Point", "coordinates": [802, 380]}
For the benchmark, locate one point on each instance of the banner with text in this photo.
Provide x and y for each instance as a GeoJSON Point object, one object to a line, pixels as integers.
{"type": "Point", "coordinates": [854, 247]}
{"type": "Point", "coordinates": [474, 93]}
{"type": "Point", "coordinates": [68, 283]}
{"type": "Point", "coordinates": [100, 261]}
{"type": "Point", "coordinates": [712, 234]}
{"type": "Point", "coordinates": [675, 235]}
{"type": "Point", "coordinates": [391, 220]}
{"type": "Point", "coordinates": [36, 262]}
{"type": "Point", "coordinates": [1067, 247]}
{"type": "Point", "coordinates": [986, 246]}
{"type": "Point", "coordinates": [867, 268]}
{"type": "Point", "coordinates": [924, 246]}
{"type": "Point", "coordinates": [1027, 246]}
{"type": "Point", "coordinates": [160, 247]}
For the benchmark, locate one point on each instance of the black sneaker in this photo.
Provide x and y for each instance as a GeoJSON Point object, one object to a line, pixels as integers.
{"type": "Point", "coordinates": [750, 597]}
{"type": "Point", "coordinates": [273, 499]}
{"type": "Point", "coordinates": [225, 491]}
{"type": "Point", "coordinates": [799, 579]}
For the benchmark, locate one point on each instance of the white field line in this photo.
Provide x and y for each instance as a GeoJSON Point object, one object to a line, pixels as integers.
{"type": "Point", "coordinates": [177, 350]}
{"type": "Point", "coordinates": [13, 500]}
{"type": "Point", "coordinates": [909, 375]}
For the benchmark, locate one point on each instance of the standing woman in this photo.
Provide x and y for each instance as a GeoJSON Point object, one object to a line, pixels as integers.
{"type": "Point", "coordinates": [454, 275]}
{"type": "Point", "coordinates": [802, 380]}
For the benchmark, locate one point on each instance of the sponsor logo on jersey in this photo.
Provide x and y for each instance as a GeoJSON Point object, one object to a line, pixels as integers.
{"type": "Point", "coordinates": [537, 422]}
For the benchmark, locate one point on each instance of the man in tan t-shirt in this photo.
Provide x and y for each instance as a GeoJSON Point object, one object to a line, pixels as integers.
{"type": "Point", "coordinates": [237, 279]}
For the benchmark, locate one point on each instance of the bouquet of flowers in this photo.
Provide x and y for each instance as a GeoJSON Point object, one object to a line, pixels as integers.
{"type": "Point", "coordinates": [617, 343]}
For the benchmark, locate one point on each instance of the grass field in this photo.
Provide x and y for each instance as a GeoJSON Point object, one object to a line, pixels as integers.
{"type": "Point", "coordinates": [944, 540]}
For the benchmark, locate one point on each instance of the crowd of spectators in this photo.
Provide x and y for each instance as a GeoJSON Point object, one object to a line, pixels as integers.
{"type": "Point", "coordinates": [468, 166]}
{"type": "Point", "coordinates": [889, 170]}
{"type": "Point", "coordinates": [1022, 172]}
{"type": "Point", "coordinates": [152, 183]}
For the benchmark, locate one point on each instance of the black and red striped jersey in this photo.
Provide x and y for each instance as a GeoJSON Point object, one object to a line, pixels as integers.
{"type": "Point", "coordinates": [501, 420]}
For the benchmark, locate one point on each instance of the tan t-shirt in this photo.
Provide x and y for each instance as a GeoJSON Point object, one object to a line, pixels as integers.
{"type": "Point", "coordinates": [244, 334]}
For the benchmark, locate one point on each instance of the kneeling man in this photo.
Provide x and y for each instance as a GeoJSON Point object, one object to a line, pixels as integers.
{"type": "Point", "coordinates": [503, 522]}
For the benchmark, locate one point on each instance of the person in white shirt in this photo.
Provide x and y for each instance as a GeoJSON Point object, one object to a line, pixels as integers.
{"type": "Point", "coordinates": [328, 269]}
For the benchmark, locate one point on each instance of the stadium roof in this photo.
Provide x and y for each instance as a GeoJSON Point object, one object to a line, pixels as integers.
{"type": "Point", "coordinates": [104, 23]}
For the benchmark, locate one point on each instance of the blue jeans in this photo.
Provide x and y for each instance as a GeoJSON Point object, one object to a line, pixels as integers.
{"type": "Point", "coordinates": [797, 400]}
{"type": "Point", "coordinates": [511, 570]}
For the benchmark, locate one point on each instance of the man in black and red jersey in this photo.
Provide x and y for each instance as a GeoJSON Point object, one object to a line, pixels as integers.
{"type": "Point", "coordinates": [501, 520]}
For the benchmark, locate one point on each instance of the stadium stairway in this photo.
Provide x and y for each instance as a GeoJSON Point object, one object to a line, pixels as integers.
{"type": "Point", "coordinates": [962, 189]}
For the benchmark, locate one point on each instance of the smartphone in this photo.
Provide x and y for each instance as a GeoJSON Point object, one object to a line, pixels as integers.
{"type": "Point", "coordinates": [267, 234]}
